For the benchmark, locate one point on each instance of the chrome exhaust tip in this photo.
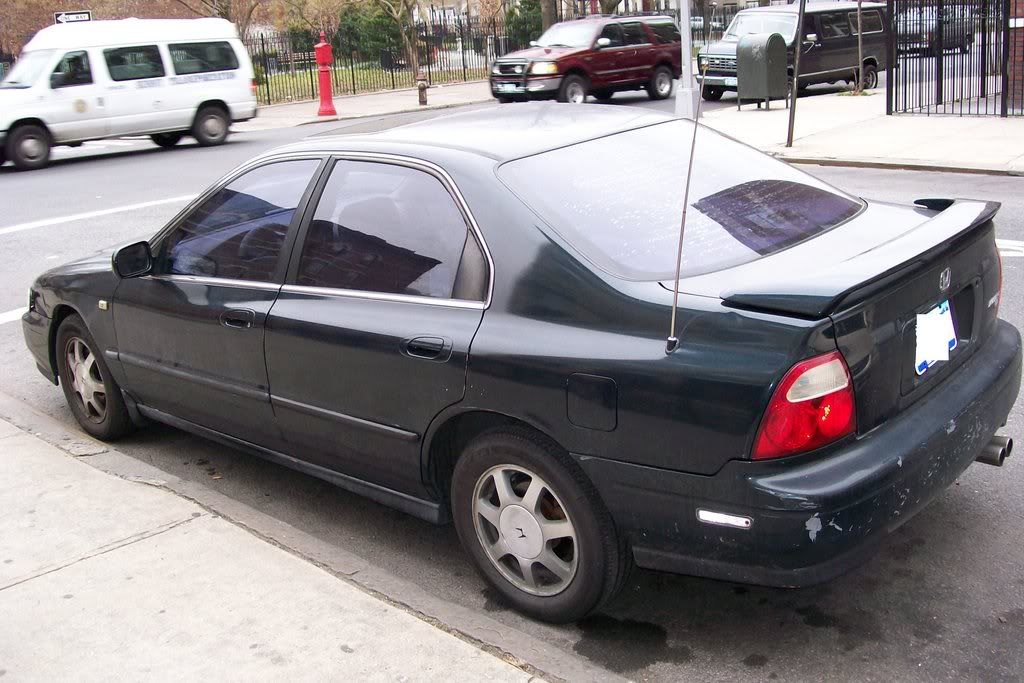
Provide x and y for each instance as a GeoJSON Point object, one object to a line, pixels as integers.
{"type": "Point", "coordinates": [996, 451]}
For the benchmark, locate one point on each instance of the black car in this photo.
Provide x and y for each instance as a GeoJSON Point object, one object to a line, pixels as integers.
{"type": "Point", "coordinates": [466, 319]}
{"type": "Point", "coordinates": [829, 44]}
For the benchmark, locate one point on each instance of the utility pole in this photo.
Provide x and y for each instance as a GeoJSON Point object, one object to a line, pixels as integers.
{"type": "Point", "coordinates": [686, 93]}
{"type": "Point", "coordinates": [798, 45]}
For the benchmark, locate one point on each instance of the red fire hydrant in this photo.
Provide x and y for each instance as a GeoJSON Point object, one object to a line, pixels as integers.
{"type": "Point", "coordinates": [324, 59]}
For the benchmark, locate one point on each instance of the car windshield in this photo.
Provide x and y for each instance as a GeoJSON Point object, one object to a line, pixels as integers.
{"type": "Point", "coordinates": [624, 215]}
{"type": "Point", "coordinates": [570, 34]}
{"type": "Point", "coordinates": [27, 69]}
{"type": "Point", "coordinates": [761, 22]}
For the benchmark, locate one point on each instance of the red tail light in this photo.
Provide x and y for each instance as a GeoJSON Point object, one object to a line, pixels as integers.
{"type": "Point", "coordinates": [812, 407]}
{"type": "Point", "coordinates": [254, 86]}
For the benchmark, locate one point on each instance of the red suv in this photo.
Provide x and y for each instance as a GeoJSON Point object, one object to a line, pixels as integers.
{"type": "Point", "coordinates": [594, 56]}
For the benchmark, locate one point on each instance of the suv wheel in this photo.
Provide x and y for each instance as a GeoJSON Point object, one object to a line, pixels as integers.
{"type": "Point", "coordinates": [28, 147]}
{"type": "Point", "coordinates": [211, 126]}
{"type": "Point", "coordinates": [712, 93]}
{"type": "Point", "coordinates": [535, 527]}
{"type": "Point", "coordinates": [573, 90]}
{"type": "Point", "coordinates": [660, 86]}
{"type": "Point", "coordinates": [604, 95]}
{"type": "Point", "coordinates": [869, 77]}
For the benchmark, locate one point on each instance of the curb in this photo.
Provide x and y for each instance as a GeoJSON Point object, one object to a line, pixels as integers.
{"type": "Point", "coordinates": [895, 164]}
{"type": "Point", "coordinates": [428, 107]}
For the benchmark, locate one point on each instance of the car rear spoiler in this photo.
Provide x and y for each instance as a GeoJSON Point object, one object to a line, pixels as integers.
{"type": "Point", "coordinates": [843, 285]}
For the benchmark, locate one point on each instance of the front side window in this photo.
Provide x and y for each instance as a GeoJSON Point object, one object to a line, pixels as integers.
{"type": "Point", "coordinates": [834, 26]}
{"type": "Point", "coordinates": [199, 58]}
{"type": "Point", "coordinates": [613, 32]}
{"type": "Point", "coordinates": [72, 69]}
{"type": "Point", "coordinates": [634, 33]}
{"type": "Point", "coordinates": [134, 63]}
{"type": "Point", "coordinates": [384, 228]}
{"type": "Point", "coordinates": [237, 234]}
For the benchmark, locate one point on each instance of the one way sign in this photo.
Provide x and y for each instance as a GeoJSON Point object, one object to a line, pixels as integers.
{"type": "Point", "coordinates": [72, 17]}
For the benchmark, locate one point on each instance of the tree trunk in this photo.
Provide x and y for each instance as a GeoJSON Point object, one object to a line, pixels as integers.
{"type": "Point", "coordinates": [547, 13]}
{"type": "Point", "coordinates": [859, 88]}
{"type": "Point", "coordinates": [609, 6]}
{"type": "Point", "coordinates": [412, 55]}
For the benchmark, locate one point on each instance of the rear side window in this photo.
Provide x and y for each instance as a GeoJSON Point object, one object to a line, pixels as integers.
{"type": "Point", "coordinates": [666, 32]}
{"type": "Point", "coordinates": [634, 33]}
{"type": "Point", "coordinates": [134, 63]}
{"type": "Point", "coordinates": [834, 26]}
{"type": "Point", "coordinates": [200, 58]}
{"type": "Point", "coordinates": [384, 228]}
{"type": "Point", "coordinates": [872, 21]}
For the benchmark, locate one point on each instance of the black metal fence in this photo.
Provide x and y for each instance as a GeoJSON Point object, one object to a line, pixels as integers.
{"type": "Point", "coordinates": [953, 57]}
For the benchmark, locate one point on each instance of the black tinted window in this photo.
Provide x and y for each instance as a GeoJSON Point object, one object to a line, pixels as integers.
{"type": "Point", "coordinates": [237, 233]}
{"type": "Point", "coordinates": [133, 63]}
{"type": "Point", "coordinates": [613, 32]}
{"type": "Point", "coordinates": [634, 34]}
{"type": "Point", "coordinates": [74, 70]}
{"type": "Point", "coordinates": [834, 26]}
{"type": "Point", "coordinates": [666, 32]}
{"type": "Point", "coordinates": [872, 21]}
{"type": "Point", "coordinates": [384, 228]}
{"type": "Point", "coordinates": [197, 58]}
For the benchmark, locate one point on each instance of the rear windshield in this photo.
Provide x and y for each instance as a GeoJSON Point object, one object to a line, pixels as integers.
{"type": "Point", "coordinates": [618, 200]}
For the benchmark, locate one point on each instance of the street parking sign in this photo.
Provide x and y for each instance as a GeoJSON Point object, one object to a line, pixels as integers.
{"type": "Point", "coordinates": [72, 17]}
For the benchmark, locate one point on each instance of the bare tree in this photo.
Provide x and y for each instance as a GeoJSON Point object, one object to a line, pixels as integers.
{"type": "Point", "coordinates": [317, 15]}
{"type": "Point", "coordinates": [401, 12]}
{"type": "Point", "coordinates": [239, 12]}
{"type": "Point", "coordinates": [547, 13]}
{"type": "Point", "coordinates": [609, 6]}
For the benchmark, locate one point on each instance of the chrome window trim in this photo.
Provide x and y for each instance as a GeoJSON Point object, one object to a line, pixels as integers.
{"type": "Point", "coordinates": [217, 281]}
{"type": "Point", "coordinates": [467, 215]}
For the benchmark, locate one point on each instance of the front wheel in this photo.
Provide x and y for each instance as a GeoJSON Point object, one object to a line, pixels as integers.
{"type": "Point", "coordinates": [712, 93]}
{"type": "Point", "coordinates": [660, 85]}
{"type": "Point", "coordinates": [573, 90]}
{"type": "Point", "coordinates": [166, 140]}
{"type": "Point", "coordinates": [28, 147]}
{"type": "Point", "coordinates": [535, 527]}
{"type": "Point", "coordinates": [211, 126]}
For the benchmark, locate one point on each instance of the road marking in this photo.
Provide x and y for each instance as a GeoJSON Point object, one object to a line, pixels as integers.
{"type": "Point", "coordinates": [47, 222]}
{"type": "Point", "coordinates": [1011, 248]}
{"type": "Point", "coordinates": [11, 316]}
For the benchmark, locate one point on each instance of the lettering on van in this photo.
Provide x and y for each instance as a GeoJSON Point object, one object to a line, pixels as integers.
{"type": "Point", "coordinates": [150, 83]}
{"type": "Point", "coordinates": [196, 78]}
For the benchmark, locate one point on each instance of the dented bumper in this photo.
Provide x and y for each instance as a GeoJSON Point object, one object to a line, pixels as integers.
{"type": "Point", "coordinates": [816, 516]}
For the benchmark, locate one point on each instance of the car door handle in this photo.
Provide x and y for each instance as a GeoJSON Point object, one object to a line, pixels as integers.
{"type": "Point", "coordinates": [240, 318]}
{"type": "Point", "coordinates": [427, 348]}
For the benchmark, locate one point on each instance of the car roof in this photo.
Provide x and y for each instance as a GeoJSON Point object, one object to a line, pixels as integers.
{"type": "Point", "coordinates": [134, 31]}
{"type": "Point", "coordinates": [609, 18]}
{"type": "Point", "coordinates": [814, 7]}
{"type": "Point", "coordinates": [499, 132]}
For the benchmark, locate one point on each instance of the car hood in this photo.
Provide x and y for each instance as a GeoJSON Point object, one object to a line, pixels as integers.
{"type": "Point", "coordinates": [547, 53]}
{"type": "Point", "coordinates": [98, 262]}
{"type": "Point", "coordinates": [721, 48]}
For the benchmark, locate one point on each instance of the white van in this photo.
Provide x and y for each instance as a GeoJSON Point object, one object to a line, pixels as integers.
{"type": "Point", "coordinates": [165, 78]}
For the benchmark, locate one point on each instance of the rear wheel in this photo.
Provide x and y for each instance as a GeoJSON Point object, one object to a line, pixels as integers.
{"type": "Point", "coordinates": [604, 95]}
{"type": "Point", "coordinates": [211, 126]}
{"type": "Point", "coordinates": [28, 146]}
{"type": "Point", "coordinates": [535, 527]}
{"type": "Point", "coordinates": [166, 140]}
{"type": "Point", "coordinates": [573, 90]}
{"type": "Point", "coordinates": [92, 394]}
{"type": "Point", "coordinates": [869, 76]}
{"type": "Point", "coordinates": [712, 93]}
{"type": "Point", "coordinates": [660, 85]}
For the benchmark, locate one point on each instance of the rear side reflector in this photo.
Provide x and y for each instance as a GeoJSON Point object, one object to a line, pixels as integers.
{"type": "Point", "coordinates": [812, 407]}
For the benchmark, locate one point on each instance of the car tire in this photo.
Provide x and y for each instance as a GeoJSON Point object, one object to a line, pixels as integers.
{"type": "Point", "coordinates": [573, 90]}
{"type": "Point", "coordinates": [28, 147]}
{"type": "Point", "coordinates": [166, 140]}
{"type": "Point", "coordinates": [660, 85]}
{"type": "Point", "coordinates": [567, 576]}
{"type": "Point", "coordinates": [92, 394]}
{"type": "Point", "coordinates": [712, 93]}
{"type": "Point", "coordinates": [604, 95]}
{"type": "Point", "coordinates": [869, 77]}
{"type": "Point", "coordinates": [505, 100]}
{"type": "Point", "coordinates": [211, 126]}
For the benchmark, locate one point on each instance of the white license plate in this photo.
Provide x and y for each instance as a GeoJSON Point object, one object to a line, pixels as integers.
{"type": "Point", "coordinates": [936, 337]}
{"type": "Point", "coordinates": [729, 80]}
{"type": "Point", "coordinates": [507, 87]}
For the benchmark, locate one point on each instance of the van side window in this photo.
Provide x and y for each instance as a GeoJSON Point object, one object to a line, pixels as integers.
{"type": "Point", "coordinates": [73, 69]}
{"type": "Point", "coordinates": [872, 21]}
{"type": "Point", "coordinates": [200, 58]}
{"type": "Point", "coordinates": [134, 63]}
{"type": "Point", "coordinates": [834, 26]}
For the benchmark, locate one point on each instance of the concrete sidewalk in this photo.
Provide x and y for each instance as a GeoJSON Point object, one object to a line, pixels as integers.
{"type": "Point", "coordinates": [103, 578]}
{"type": "Point", "coordinates": [373, 104]}
{"type": "Point", "coordinates": [853, 131]}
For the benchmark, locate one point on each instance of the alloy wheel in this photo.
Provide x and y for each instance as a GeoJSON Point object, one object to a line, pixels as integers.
{"type": "Point", "coordinates": [86, 380]}
{"type": "Point", "coordinates": [525, 530]}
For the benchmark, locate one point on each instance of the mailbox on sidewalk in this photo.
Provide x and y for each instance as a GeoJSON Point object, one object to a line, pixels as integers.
{"type": "Point", "coordinates": [761, 69]}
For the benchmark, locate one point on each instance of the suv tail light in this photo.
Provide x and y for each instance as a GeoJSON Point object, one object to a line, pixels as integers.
{"type": "Point", "coordinates": [812, 407]}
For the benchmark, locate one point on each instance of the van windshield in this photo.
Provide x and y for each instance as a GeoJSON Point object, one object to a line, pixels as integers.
{"type": "Point", "coordinates": [618, 201]}
{"type": "Point", "coordinates": [27, 69]}
{"type": "Point", "coordinates": [762, 22]}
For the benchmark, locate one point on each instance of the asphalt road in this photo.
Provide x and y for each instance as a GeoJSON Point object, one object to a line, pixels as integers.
{"type": "Point", "coordinates": [942, 600]}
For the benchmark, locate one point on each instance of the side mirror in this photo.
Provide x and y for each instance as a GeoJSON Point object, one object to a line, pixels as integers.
{"type": "Point", "coordinates": [57, 80]}
{"type": "Point", "coordinates": [812, 37]}
{"type": "Point", "coordinates": [533, 43]}
{"type": "Point", "coordinates": [133, 260]}
{"type": "Point", "coordinates": [604, 42]}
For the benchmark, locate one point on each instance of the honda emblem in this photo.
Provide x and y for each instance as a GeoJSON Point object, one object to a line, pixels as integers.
{"type": "Point", "coordinates": [944, 278]}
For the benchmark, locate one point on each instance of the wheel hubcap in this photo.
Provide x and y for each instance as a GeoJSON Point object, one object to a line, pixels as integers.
{"type": "Point", "coordinates": [86, 380]}
{"type": "Point", "coordinates": [213, 126]}
{"type": "Point", "coordinates": [576, 94]}
{"type": "Point", "coordinates": [524, 530]}
{"type": "Point", "coordinates": [663, 83]}
{"type": "Point", "coordinates": [31, 148]}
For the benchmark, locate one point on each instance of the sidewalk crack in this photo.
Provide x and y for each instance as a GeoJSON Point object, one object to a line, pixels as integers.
{"type": "Point", "coordinates": [110, 547]}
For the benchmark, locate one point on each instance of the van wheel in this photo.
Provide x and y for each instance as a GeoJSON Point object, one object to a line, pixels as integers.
{"type": "Point", "coordinates": [573, 90]}
{"type": "Point", "coordinates": [660, 85]}
{"type": "Point", "coordinates": [28, 146]}
{"type": "Point", "coordinates": [870, 77]}
{"type": "Point", "coordinates": [712, 93]}
{"type": "Point", "coordinates": [535, 527]}
{"type": "Point", "coordinates": [211, 126]}
{"type": "Point", "coordinates": [166, 140]}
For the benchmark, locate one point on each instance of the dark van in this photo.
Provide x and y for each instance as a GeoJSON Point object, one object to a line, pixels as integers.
{"type": "Point", "coordinates": [829, 44]}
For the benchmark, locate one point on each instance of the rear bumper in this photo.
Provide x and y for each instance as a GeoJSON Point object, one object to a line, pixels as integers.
{"type": "Point", "coordinates": [814, 517]}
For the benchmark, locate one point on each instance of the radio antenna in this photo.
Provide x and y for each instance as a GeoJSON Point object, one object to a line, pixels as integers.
{"type": "Point", "coordinates": [672, 343]}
